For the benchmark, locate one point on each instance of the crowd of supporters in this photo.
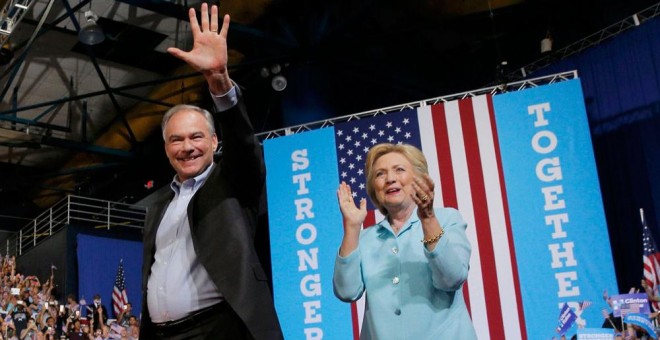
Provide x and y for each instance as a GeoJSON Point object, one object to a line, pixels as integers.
{"type": "Point", "coordinates": [30, 311]}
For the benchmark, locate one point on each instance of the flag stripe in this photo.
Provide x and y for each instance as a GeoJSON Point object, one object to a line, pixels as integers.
{"type": "Point", "coordinates": [443, 155]}
{"type": "Point", "coordinates": [482, 221]}
{"type": "Point", "coordinates": [507, 220]}
{"type": "Point", "coordinates": [458, 165]}
{"type": "Point", "coordinates": [430, 152]}
{"type": "Point", "coordinates": [459, 140]}
{"type": "Point", "coordinates": [499, 230]}
{"type": "Point", "coordinates": [356, 321]}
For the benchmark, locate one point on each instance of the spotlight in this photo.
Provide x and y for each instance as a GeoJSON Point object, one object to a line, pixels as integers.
{"type": "Point", "coordinates": [91, 33]}
{"type": "Point", "coordinates": [275, 69]}
{"type": "Point", "coordinates": [278, 83]}
{"type": "Point", "coordinates": [546, 44]}
{"type": "Point", "coordinates": [501, 74]}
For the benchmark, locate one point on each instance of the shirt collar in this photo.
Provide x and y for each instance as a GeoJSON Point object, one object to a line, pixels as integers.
{"type": "Point", "coordinates": [384, 223]}
{"type": "Point", "coordinates": [195, 182]}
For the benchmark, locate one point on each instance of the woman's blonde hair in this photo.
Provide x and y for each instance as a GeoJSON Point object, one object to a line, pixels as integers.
{"type": "Point", "coordinates": [410, 152]}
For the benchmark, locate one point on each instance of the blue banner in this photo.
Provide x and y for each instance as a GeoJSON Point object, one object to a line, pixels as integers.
{"type": "Point", "coordinates": [305, 233]}
{"type": "Point", "coordinates": [559, 231]}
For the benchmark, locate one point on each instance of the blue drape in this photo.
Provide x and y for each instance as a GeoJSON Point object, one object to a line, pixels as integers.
{"type": "Point", "coordinates": [98, 261]}
{"type": "Point", "coordinates": [621, 83]}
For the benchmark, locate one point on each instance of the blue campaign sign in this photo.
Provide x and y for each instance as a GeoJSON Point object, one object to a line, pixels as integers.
{"type": "Point", "coordinates": [558, 224]}
{"type": "Point", "coordinates": [305, 233]}
{"type": "Point", "coordinates": [624, 304]}
{"type": "Point", "coordinates": [595, 334]}
{"type": "Point", "coordinates": [643, 321]}
{"type": "Point", "coordinates": [566, 319]}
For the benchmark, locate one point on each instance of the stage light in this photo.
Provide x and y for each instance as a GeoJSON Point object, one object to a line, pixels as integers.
{"type": "Point", "coordinates": [278, 83]}
{"type": "Point", "coordinates": [91, 33]}
{"type": "Point", "coordinates": [546, 44]}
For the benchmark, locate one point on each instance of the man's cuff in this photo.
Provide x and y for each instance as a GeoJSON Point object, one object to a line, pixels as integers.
{"type": "Point", "coordinates": [226, 101]}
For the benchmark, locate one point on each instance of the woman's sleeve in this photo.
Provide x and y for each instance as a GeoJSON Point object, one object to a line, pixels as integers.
{"type": "Point", "coordinates": [347, 279]}
{"type": "Point", "coordinates": [450, 260]}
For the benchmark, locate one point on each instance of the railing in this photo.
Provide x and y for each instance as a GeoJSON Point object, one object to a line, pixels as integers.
{"type": "Point", "coordinates": [81, 211]}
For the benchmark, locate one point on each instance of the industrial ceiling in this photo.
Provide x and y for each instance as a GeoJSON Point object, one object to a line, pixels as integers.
{"type": "Point", "coordinates": [84, 120]}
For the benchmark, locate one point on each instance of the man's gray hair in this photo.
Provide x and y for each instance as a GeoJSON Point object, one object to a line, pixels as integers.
{"type": "Point", "coordinates": [168, 115]}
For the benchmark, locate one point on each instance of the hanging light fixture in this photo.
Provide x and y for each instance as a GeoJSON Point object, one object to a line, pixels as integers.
{"type": "Point", "coordinates": [546, 43]}
{"type": "Point", "coordinates": [90, 32]}
{"type": "Point", "coordinates": [278, 83]}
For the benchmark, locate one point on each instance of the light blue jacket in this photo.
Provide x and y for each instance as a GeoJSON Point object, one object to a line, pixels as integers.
{"type": "Point", "coordinates": [411, 293]}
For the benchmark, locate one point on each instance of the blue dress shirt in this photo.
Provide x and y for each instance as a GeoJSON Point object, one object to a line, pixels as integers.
{"type": "Point", "coordinates": [179, 284]}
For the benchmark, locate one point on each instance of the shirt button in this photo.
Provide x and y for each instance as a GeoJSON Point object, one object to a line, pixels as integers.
{"type": "Point", "coordinates": [395, 250]}
{"type": "Point", "coordinates": [395, 280]}
{"type": "Point", "coordinates": [397, 311]}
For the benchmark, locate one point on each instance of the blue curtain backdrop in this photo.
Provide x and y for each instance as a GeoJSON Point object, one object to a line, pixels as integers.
{"type": "Point", "coordinates": [621, 83]}
{"type": "Point", "coordinates": [98, 261]}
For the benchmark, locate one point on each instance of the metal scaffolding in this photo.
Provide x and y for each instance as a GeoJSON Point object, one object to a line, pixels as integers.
{"type": "Point", "coordinates": [510, 87]}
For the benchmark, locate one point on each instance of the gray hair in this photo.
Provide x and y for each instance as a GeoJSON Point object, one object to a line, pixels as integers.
{"type": "Point", "coordinates": [181, 107]}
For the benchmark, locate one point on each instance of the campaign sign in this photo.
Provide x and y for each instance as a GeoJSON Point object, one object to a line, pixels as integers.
{"type": "Point", "coordinates": [566, 319]}
{"type": "Point", "coordinates": [641, 320]}
{"type": "Point", "coordinates": [595, 334]}
{"type": "Point", "coordinates": [624, 304]}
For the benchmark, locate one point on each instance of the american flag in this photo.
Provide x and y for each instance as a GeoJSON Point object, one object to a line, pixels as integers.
{"type": "Point", "coordinates": [119, 297]}
{"type": "Point", "coordinates": [651, 259]}
{"type": "Point", "coordinates": [459, 141]}
{"type": "Point", "coordinates": [354, 139]}
{"type": "Point", "coordinates": [628, 308]}
{"type": "Point", "coordinates": [584, 304]}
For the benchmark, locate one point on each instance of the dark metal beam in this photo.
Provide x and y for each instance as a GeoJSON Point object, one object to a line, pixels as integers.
{"type": "Point", "coordinates": [29, 122]}
{"type": "Point", "coordinates": [108, 90]}
{"type": "Point", "coordinates": [100, 93]}
{"type": "Point", "coordinates": [85, 147]}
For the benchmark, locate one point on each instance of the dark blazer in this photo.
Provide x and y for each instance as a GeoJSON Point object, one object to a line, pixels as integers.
{"type": "Point", "coordinates": [223, 219]}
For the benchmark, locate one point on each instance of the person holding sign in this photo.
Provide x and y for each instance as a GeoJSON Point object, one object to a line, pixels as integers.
{"type": "Point", "coordinates": [413, 263]}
